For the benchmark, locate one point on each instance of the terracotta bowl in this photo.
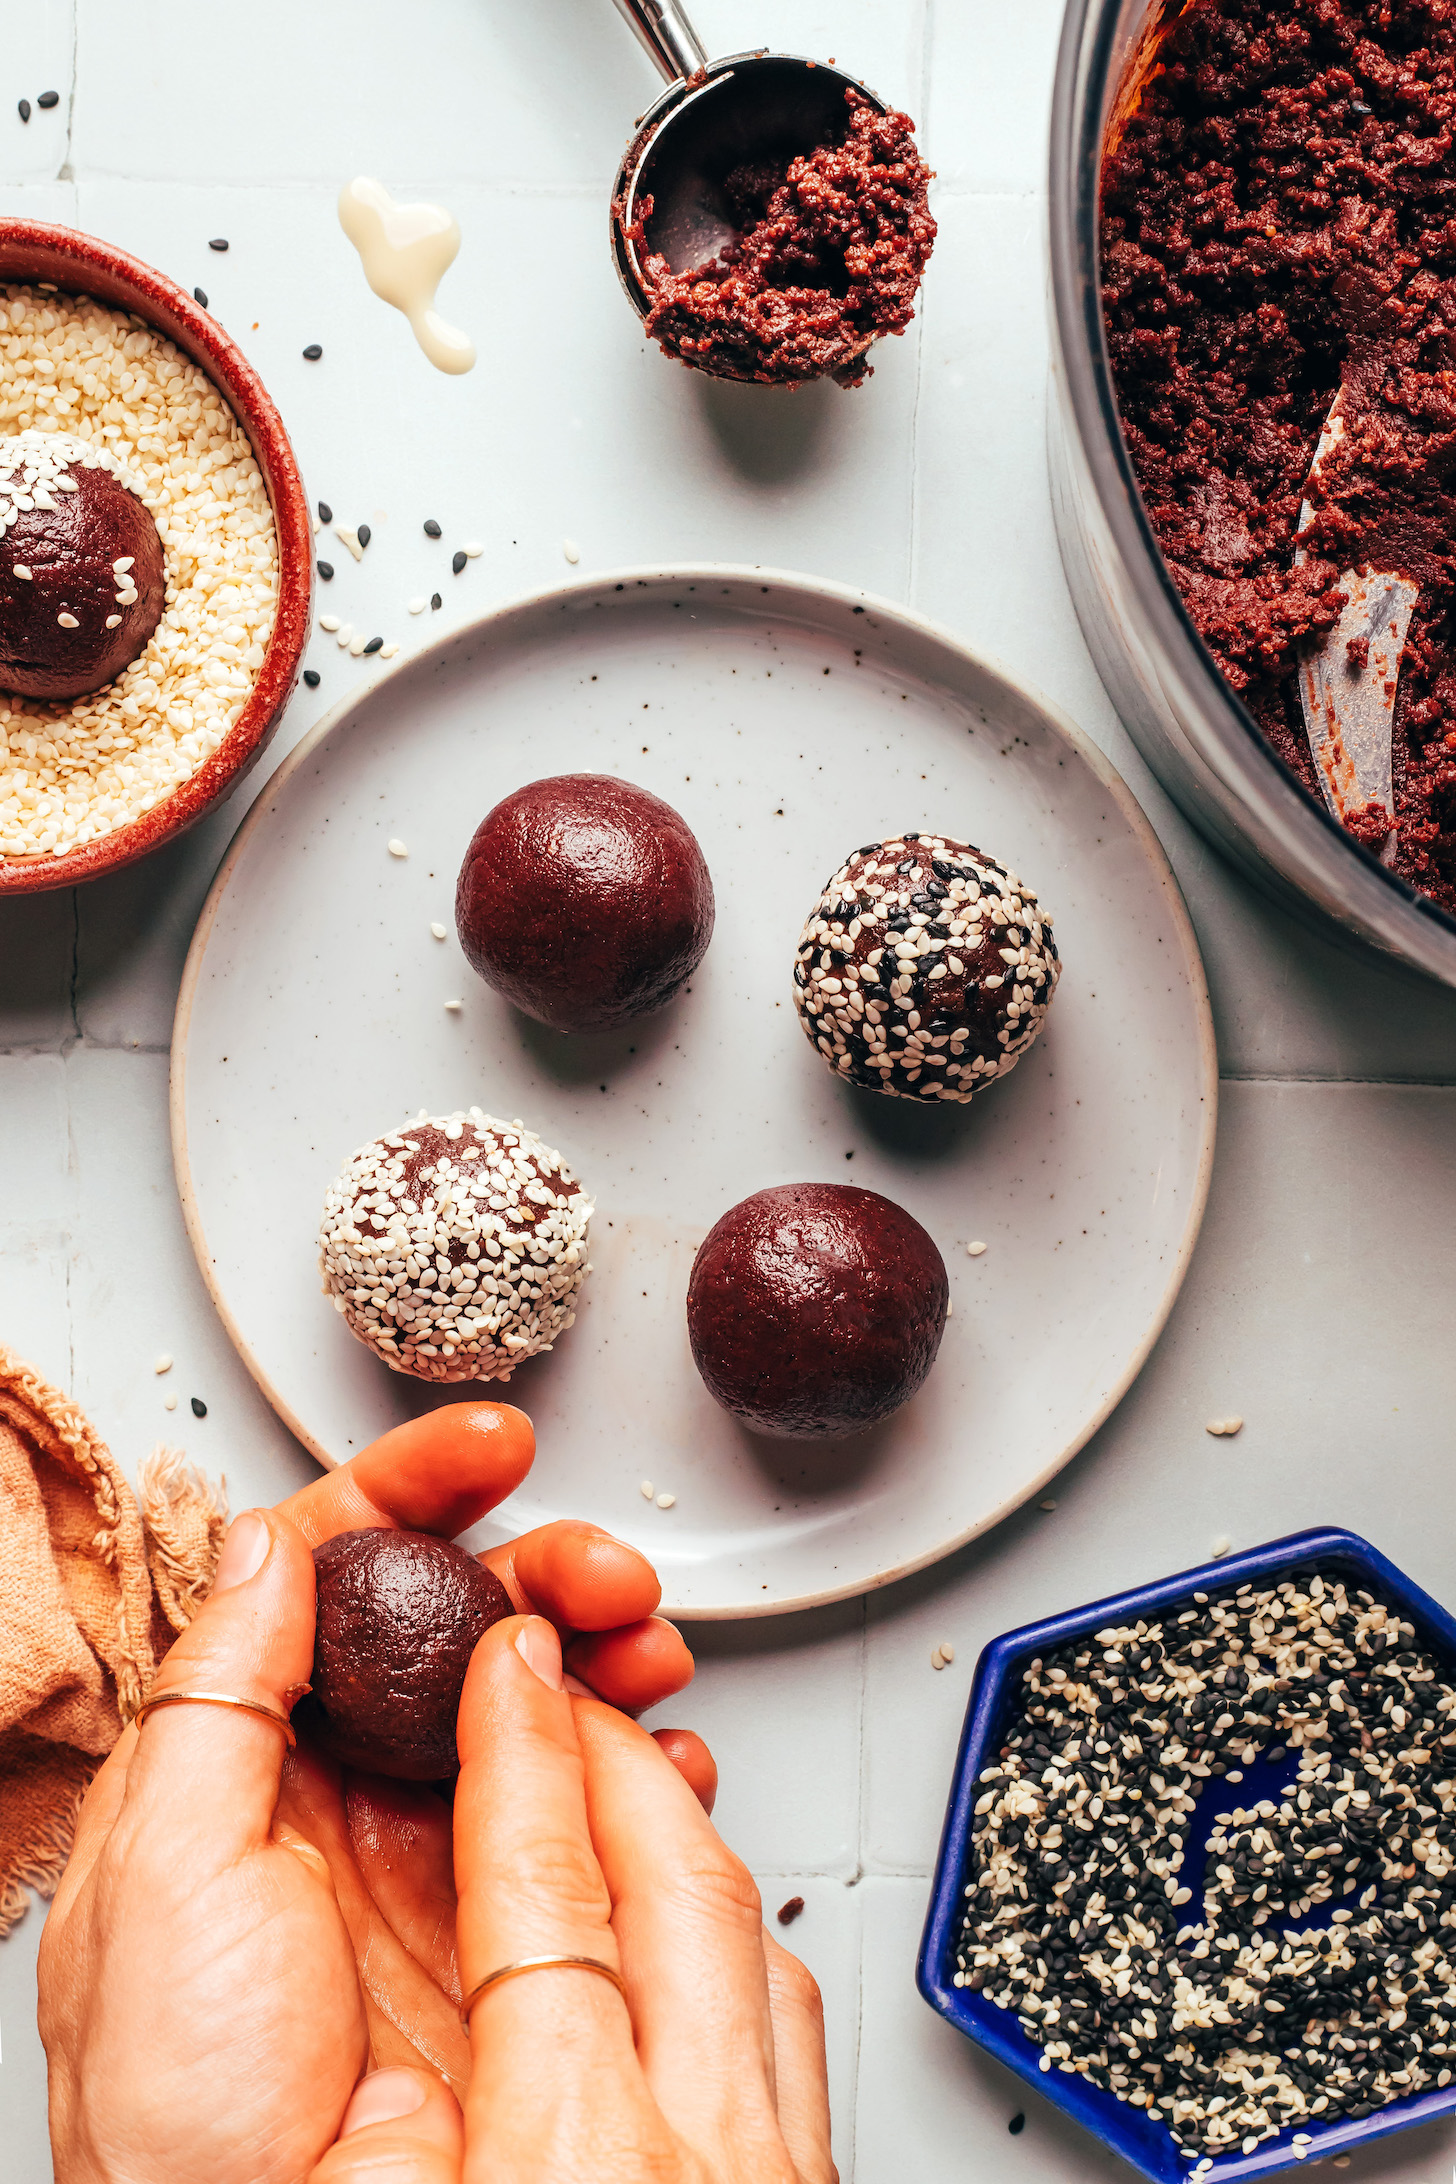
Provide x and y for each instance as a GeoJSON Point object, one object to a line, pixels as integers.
{"type": "Point", "coordinates": [31, 250]}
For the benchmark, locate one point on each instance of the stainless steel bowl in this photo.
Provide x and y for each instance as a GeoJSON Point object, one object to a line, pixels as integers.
{"type": "Point", "coordinates": [1197, 736]}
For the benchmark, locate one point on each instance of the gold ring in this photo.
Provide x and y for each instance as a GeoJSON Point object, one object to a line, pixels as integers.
{"type": "Point", "coordinates": [217, 1698]}
{"type": "Point", "coordinates": [540, 1964]}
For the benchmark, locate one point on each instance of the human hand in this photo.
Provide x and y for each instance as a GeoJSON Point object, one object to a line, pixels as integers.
{"type": "Point", "coordinates": [574, 1835]}
{"type": "Point", "coordinates": [199, 1998]}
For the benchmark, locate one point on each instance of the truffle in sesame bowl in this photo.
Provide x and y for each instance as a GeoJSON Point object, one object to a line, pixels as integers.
{"type": "Point", "coordinates": [455, 1246]}
{"type": "Point", "coordinates": [925, 969]}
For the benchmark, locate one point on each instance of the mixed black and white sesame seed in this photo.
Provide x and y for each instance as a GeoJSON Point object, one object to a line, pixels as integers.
{"type": "Point", "coordinates": [1268, 2011]}
{"type": "Point", "coordinates": [455, 1247]}
{"type": "Point", "coordinates": [925, 969]}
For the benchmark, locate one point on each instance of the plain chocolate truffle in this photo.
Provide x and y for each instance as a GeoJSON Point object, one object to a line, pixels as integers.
{"type": "Point", "coordinates": [585, 901]}
{"type": "Point", "coordinates": [82, 577]}
{"type": "Point", "coordinates": [815, 1309]}
{"type": "Point", "coordinates": [399, 1615]}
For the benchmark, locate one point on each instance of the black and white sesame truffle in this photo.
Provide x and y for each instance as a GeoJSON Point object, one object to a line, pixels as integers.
{"type": "Point", "coordinates": [455, 1246]}
{"type": "Point", "coordinates": [925, 969]}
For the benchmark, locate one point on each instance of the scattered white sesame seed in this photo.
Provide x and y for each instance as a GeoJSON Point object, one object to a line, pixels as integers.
{"type": "Point", "coordinates": [974, 1251]}
{"type": "Point", "coordinates": [397, 848]}
{"type": "Point", "coordinates": [120, 567]}
{"type": "Point", "coordinates": [472, 549]}
{"type": "Point", "coordinates": [163, 1364]}
{"type": "Point", "coordinates": [418, 604]}
{"type": "Point", "coordinates": [947, 1651]}
{"type": "Point", "coordinates": [454, 1006]}
{"type": "Point", "coordinates": [665, 1501]}
{"type": "Point", "coordinates": [345, 636]}
{"type": "Point", "coordinates": [113, 621]}
{"type": "Point", "coordinates": [1221, 1546]}
{"type": "Point", "coordinates": [350, 539]}
{"type": "Point", "coordinates": [438, 930]}
{"type": "Point", "coordinates": [169, 1401]}
{"type": "Point", "coordinates": [330, 622]}
{"type": "Point", "coordinates": [1048, 1505]}
{"type": "Point", "coordinates": [1221, 1426]}
{"type": "Point", "coordinates": [937, 1658]}
{"type": "Point", "coordinates": [24, 574]}
{"type": "Point", "coordinates": [648, 1490]}
{"type": "Point", "coordinates": [356, 647]}
{"type": "Point", "coordinates": [387, 652]}
{"type": "Point", "coordinates": [68, 621]}
{"type": "Point", "coordinates": [1341, 2161]}
{"type": "Point", "coordinates": [950, 1307]}
{"type": "Point", "coordinates": [571, 550]}
{"type": "Point", "coordinates": [317, 526]}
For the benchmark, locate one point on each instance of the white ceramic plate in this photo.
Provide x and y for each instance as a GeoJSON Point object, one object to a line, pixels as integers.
{"type": "Point", "coordinates": [789, 720]}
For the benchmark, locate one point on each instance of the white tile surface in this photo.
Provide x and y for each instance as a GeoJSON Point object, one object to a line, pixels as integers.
{"type": "Point", "coordinates": [1334, 1201]}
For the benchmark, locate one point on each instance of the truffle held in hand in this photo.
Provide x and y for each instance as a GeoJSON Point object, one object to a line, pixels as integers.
{"type": "Point", "coordinates": [925, 969]}
{"type": "Point", "coordinates": [399, 1615]}
{"type": "Point", "coordinates": [585, 901]}
{"type": "Point", "coordinates": [815, 1309]}
{"type": "Point", "coordinates": [82, 577]}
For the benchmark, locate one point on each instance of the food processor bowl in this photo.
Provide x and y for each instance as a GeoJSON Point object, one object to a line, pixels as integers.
{"type": "Point", "coordinates": [1195, 733]}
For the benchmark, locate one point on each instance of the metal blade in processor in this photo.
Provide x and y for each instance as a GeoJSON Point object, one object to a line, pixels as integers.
{"type": "Point", "coordinates": [1348, 682]}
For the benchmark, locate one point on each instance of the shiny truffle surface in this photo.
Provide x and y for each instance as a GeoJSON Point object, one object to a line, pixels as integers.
{"type": "Point", "coordinates": [585, 901]}
{"type": "Point", "coordinates": [82, 573]}
{"type": "Point", "coordinates": [925, 969]}
{"type": "Point", "coordinates": [455, 1246]}
{"type": "Point", "coordinates": [399, 1615]}
{"type": "Point", "coordinates": [815, 1309]}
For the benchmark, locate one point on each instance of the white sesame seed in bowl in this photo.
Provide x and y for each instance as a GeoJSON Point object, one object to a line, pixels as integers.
{"type": "Point", "coordinates": [111, 353]}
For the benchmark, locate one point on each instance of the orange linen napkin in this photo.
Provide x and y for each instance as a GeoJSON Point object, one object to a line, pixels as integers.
{"type": "Point", "coordinates": [93, 1589]}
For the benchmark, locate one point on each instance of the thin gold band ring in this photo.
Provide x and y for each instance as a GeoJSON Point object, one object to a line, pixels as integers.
{"type": "Point", "coordinates": [541, 1964]}
{"type": "Point", "coordinates": [217, 1698]}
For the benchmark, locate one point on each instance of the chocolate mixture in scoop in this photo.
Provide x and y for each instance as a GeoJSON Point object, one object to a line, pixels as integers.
{"type": "Point", "coordinates": [1279, 218]}
{"type": "Point", "coordinates": [832, 248]}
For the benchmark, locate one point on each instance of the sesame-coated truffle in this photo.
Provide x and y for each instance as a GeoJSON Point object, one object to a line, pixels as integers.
{"type": "Point", "coordinates": [82, 576]}
{"type": "Point", "coordinates": [455, 1246]}
{"type": "Point", "coordinates": [925, 969]}
{"type": "Point", "coordinates": [585, 901]}
{"type": "Point", "coordinates": [815, 1309]}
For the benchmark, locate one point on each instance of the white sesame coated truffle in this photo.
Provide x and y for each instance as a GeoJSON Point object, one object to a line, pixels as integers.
{"type": "Point", "coordinates": [925, 969]}
{"type": "Point", "coordinates": [455, 1246]}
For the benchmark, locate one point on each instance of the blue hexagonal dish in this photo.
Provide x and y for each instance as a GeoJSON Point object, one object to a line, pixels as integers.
{"type": "Point", "coordinates": [1148, 2146]}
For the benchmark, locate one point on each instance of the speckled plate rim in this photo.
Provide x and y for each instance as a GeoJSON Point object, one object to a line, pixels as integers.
{"type": "Point", "coordinates": [815, 591]}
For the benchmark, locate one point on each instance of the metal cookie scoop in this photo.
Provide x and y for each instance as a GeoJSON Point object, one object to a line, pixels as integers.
{"type": "Point", "coordinates": [1349, 702]}
{"type": "Point", "coordinates": [713, 117]}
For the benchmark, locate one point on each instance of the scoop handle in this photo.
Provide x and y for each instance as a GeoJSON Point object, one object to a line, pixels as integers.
{"type": "Point", "coordinates": [663, 28]}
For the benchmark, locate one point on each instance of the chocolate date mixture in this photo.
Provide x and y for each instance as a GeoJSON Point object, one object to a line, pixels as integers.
{"type": "Point", "coordinates": [831, 250]}
{"type": "Point", "coordinates": [1279, 216]}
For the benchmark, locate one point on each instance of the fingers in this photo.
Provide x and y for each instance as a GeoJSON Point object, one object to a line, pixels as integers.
{"type": "Point", "coordinates": [212, 1772]}
{"type": "Point", "coordinates": [401, 1833]}
{"type": "Point", "coordinates": [577, 1575]}
{"type": "Point", "coordinates": [689, 1923]}
{"type": "Point", "coordinates": [796, 2008]}
{"type": "Point", "coordinates": [635, 1667]}
{"type": "Point", "coordinates": [401, 2127]}
{"type": "Point", "coordinates": [439, 1473]}
{"type": "Point", "coordinates": [529, 1886]}
{"type": "Point", "coordinates": [693, 1761]}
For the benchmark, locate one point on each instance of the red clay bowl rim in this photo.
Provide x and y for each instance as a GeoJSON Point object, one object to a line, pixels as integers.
{"type": "Point", "coordinates": [237, 380]}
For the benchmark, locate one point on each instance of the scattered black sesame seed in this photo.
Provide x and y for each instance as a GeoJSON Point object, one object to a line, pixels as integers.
{"type": "Point", "coordinates": [218, 242]}
{"type": "Point", "coordinates": [372, 646]}
{"type": "Point", "coordinates": [457, 562]}
{"type": "Point", "coordinates": [1017, 2124]}
{"type": "Point", "coordinates": [200, 296]}
{"type": "Point", "coordinates": [313, 352]}
{"type": "Point", "coordinates": [47, 100]}
{"type": "Point", "coordinates": [326, 571]}
{"type": "Point", "coordinates": [789, 1911]}
{"type": "Point", "coordinates": [436, 600]}
{"type": "Point", "coordinates": [363, 534]}
{"type": "Point", "coordinates": [325, 513]}
{"type": "Point", "coordinates": [199, 1408]}
{"type": "Point", "coordinates": [432, 529]}
{"type": "Point", "coordinates": [312, 677]}
{"type": "Point", "coordinates": [24, 109]}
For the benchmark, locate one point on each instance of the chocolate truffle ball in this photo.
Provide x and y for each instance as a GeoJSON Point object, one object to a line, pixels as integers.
{"type": "Point", "coordinates": [399, 1615]}
{"type": "Point", "coordinates": [815, 1309]}
{"type": "Point", "coordinates": [585, 901]}
{"type": "Point", "coordinates": [82, 578]}
{"type": "Point", "coordinates": [455, 1246]}
{"type": "Point", "coordinates": [925, 969]}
